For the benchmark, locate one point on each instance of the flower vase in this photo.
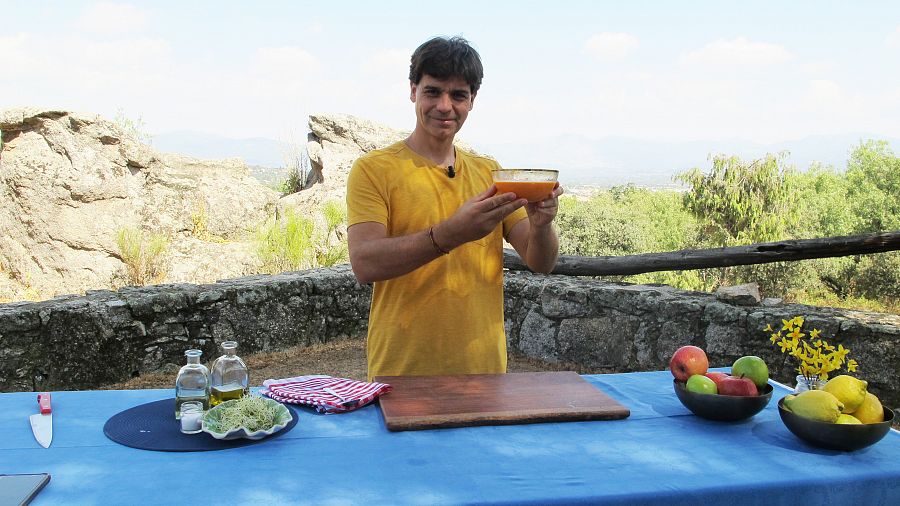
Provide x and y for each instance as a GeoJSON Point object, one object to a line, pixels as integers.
{"type": "Point", "coordinates": [803, 385]}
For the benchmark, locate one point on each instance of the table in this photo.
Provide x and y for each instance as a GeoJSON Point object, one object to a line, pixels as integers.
{"type": "Point", "coordinates": [661, 454]}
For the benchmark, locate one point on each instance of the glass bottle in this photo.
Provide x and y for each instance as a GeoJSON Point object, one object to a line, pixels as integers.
{"type": "Point", "coordinates": [192, 383]}
{"type": "Point", "coordinates": [229, 376]}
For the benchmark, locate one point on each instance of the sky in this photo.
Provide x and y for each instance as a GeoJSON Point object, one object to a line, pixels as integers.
{"type": "Point", "coordinates": [763, 71]}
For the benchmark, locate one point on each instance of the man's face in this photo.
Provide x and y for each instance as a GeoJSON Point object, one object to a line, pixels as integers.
{"type": "Point", "coordinates": [442, 105]}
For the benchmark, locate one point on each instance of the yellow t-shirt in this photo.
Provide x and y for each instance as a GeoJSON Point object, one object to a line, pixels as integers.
{"type": "Point", "coordinates": [446, 317]}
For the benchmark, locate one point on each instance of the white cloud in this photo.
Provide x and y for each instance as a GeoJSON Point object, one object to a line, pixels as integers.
{"type": "Point", "coordinates": [893, 39]}
{"type": "Point", "coordinates": [610, 46]}
{"type": "Point", "coordinates": [84, 62]}
{"type": "Point", "coordinates": [388, 61]}
{"type": "Point", "coordinates": [822, 91]}
{"type": "Point", "coordinates": [109, 18]}
{"type": "Point", "coordinates": [13, 51]}
{"type": "Point", "coordinates": [819, 67]}
{"type": "Point", "coordinates": [289, 60]}
{"type": "Point", "coordinates": [739, 51]}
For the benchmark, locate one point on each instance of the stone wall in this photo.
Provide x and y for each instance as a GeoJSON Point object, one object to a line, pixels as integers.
{"type": "Point", "coordinates": [74, 342]}
{"type": "Point", "coordinates": [77, 342]}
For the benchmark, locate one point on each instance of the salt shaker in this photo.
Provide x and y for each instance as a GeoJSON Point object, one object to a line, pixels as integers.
{"type": "Point", "coordinates": [191, 415]}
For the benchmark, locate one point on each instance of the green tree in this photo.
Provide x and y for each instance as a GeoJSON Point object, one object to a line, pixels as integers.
{"type": "Point", "coordinates": [595, 227]}
{"type": "Point", "coordinates": [873, 179]}
{"type": "Point", "coordinates": [739, 202]}
{"type": "Point", "coordinates": [820, 195]}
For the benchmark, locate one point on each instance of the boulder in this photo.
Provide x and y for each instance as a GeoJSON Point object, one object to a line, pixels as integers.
{"type": "Point", "coordinates": [335, 141]}
{"type": "Point", "coordinates": [69, 182]}
{"type": "Point", "coordinates": [742, 295]}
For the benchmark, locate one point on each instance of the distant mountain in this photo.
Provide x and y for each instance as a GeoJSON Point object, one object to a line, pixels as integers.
{"type": "Point", "coordinates": [254, 151]}
{"type": "Point", "coordinates": [616, 160]}
{"type": "Point", "coordinates": [605, 161]}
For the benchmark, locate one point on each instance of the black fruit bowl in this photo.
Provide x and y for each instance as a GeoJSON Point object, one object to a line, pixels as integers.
{"type": "Point", "coordinates": [836, 436]}
{"type": "Point", "coordinates": [724, 408]}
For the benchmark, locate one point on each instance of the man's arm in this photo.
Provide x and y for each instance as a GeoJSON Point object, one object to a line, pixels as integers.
{"type": "Point", "coordinates": [535, 239]}
{"type": "Point", "coordinates": [374, 256]}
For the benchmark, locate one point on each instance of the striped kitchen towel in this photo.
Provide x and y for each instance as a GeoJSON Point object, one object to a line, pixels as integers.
{"type": "Point", "coordinates": [326, 393]}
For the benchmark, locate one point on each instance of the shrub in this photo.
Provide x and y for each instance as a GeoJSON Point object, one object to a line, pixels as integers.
{"type": "Point", "coordinates": [286, 244]}
{"type": "Point", "coordinates": [296, 242]}
{"type": "Point", "coordinates": [297, 163]}
{"type": "Point", "coordinates": [143, 255]}
{"type": "Point", "coordinates": [200, 220]}
{"type": "Point", "coordinates": [133, 127]}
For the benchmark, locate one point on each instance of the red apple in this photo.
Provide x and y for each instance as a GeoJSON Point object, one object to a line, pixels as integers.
{"type": "Point", "coordinates": [717, 377]}
{"type": "Point", "coordinates": [733, 385]}
{"type": "Point", "coordinates": [687, 361]}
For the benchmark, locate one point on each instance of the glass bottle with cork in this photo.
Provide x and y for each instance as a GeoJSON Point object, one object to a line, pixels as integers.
{"type": "Point", "coordinates": [192, 383]}
{"type": "Point", "coordinates": [229, 377]}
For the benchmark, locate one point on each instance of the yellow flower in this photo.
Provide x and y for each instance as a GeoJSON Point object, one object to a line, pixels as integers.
{"type": "Point", "coordinates": [796, 334]}
{"type": "Point", "coordinates": [816, 357]}
{"type": "Point", "coordinates": [841, 351]}
{"type": "Point", "coordinates": [769, 328]}
{"type": "Point", "coordinates": [785, 345]}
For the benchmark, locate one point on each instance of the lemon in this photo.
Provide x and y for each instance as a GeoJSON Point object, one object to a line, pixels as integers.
{"type": "Point", "coordinates": [870, 411]}
{"type": "Point", "coordinates": [815, 404]}
{"type": "Point", "coordinates": [847, 419]}
{"type": "Point", "coordinates": [849, 390]}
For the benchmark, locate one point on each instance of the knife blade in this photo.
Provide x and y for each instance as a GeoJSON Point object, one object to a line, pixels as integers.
{"type": "Point", "coordinates": [42, 423]}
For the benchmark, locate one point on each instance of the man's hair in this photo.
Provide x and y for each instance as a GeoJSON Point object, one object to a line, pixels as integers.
{"type": "Point", "coordinates": [444, 58]}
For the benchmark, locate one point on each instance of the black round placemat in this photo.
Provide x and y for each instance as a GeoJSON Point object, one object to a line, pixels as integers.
{"type": "Point", "coordinates": [153, 426]}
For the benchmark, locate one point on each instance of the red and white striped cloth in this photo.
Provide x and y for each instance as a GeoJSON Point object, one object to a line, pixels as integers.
{"type": "Point", "coordinates": [310, 390]}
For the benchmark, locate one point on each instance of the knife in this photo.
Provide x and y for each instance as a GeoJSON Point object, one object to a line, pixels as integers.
{"type": "Point", "coordinates": [42, 423]}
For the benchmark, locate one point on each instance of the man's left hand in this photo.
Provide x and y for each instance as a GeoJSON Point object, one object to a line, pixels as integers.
{"type": "Point", "coordinates": [542, 213]}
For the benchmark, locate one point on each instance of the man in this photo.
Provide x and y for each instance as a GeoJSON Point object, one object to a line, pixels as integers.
{"type": "Point", "coordinates": [426, 226]}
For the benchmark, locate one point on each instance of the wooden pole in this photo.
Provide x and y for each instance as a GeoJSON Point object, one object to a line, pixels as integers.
{"type": "Point", "coordinates": [782, 251]}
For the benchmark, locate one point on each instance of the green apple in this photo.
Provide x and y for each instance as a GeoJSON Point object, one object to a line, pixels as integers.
{"type": "Point", "coordinates": [700, 384]}
{"type": "Point", "coordinates": [751, 367]}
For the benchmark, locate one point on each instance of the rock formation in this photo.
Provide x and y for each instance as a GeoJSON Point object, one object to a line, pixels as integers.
{"type": "Point", "coordinates": [334, 142]}
{"type": "Point", "coordinates": [69, 182]}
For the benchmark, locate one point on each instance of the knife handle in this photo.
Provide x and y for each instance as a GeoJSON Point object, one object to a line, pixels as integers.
{"type": "Point", "coordinates": [44, 401]}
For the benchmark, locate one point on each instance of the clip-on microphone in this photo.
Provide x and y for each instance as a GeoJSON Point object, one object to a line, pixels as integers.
{"type": "Point", "coordinates": [450, 172]}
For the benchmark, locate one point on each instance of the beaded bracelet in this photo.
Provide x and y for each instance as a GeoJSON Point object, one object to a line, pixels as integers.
{"type": "Point", "coordinates": [437, 248]}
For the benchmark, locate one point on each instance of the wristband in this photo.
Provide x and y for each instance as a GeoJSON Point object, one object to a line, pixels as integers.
{"type": "Point", "coordinates": [437, 248]}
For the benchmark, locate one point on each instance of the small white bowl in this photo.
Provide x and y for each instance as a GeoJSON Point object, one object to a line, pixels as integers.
{"type": "Point", "coordinates": [282, 418]}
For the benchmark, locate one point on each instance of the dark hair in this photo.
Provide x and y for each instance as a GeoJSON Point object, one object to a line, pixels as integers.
{"type": "Point", "coordinates": [444, 58]}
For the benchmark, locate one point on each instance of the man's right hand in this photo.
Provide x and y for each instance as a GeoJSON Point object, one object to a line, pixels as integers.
{"type": "Point", "coordinates": [476, 218]}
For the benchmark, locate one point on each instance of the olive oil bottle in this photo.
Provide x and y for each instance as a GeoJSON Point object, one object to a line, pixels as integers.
{"type": "Point", "coordinates": [229, 376]}
{"type": "Point", "coordinates": [222, 393]}
{"type": "Point", "coordinates": [192, 383]}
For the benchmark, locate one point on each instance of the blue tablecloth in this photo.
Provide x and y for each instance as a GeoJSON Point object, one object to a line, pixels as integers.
{"type": "Point", "coordinates": [661, 454]}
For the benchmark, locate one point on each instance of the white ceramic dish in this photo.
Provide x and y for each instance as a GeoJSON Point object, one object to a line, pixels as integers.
{"type": "Point", "coordinates": [282, 418]}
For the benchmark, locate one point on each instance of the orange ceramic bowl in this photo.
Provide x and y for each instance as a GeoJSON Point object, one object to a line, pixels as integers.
{"type": "Point", "coordinates": [532, 184]}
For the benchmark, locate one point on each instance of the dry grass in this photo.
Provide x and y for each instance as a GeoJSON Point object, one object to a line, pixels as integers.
{"type": "Point", "coordinates": [344, 359]}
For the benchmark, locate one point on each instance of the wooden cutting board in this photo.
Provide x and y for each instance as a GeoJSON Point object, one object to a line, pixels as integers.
{"type": "Point", "coordinates": [431, 402]}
